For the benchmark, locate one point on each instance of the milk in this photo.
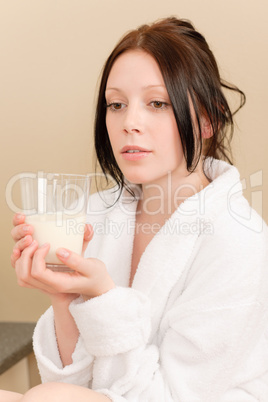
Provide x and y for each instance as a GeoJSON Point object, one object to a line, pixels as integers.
{"type": "Point", "coordinates": [59, 230]}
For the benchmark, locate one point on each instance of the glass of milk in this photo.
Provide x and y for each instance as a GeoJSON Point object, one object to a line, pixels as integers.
{"type": "Point", "coordinates": [55, 205]}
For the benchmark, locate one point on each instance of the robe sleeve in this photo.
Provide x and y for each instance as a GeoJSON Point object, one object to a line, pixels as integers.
{"type": "Point", "coordinates": [48, 357]}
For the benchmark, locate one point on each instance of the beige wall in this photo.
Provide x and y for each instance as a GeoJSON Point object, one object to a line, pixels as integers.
{"type": "Point", "coordinates": [51, 54]}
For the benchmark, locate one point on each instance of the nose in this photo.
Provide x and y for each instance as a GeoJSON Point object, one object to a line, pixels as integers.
{"type": "Point", "coordinates": [133, 120]}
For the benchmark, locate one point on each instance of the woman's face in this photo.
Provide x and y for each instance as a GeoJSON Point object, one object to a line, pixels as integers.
{"type": "Point", "coordinates": [140, 120]}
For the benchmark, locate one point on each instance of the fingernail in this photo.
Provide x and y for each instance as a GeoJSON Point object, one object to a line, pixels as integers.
{"type": "Point", "coordinates": [63, 253]}
{"type": "Point", "coordinates": [18, 216]}
{"type": "Point", "coordinates": [33, 243]}
{"type": "Point", "coordinates": [26, 228]}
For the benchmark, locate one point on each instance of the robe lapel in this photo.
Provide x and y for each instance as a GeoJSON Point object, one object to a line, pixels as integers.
{"type": "Point", "coordinates": [164, 261]}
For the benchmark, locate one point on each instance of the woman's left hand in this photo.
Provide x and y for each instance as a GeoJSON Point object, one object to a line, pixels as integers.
{"type": "Point", "coordinates": [90, 277]}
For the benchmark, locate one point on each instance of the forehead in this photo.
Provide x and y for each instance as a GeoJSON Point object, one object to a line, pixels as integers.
{"type": "Point", "coordinates": [137, 67]}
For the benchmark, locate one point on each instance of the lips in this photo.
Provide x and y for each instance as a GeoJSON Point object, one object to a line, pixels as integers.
{"type": "Point", "coordinates": [133, 149]}
{"type": "Point", "coordinates": [134, 153]}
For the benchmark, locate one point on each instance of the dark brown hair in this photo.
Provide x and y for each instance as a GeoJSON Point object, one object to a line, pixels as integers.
{"type": "Point", "coordinates": [189, 71]}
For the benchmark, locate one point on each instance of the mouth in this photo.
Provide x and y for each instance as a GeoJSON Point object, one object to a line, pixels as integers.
{"type": "Point", "coordinates": [134, 153]}
{"type": "Point", "coordinates": [131, 149]}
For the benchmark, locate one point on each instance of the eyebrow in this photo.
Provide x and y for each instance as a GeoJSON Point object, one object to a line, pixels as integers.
{"type": "Point", "coordinates": [144, 88]}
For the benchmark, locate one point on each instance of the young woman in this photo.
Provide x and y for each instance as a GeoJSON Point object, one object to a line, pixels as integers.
{"type": "Point", "coordinates": [169, 302]}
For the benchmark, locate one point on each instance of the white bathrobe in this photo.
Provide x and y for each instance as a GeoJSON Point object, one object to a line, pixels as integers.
{"type": "Point", "coordinates": [193, 326]}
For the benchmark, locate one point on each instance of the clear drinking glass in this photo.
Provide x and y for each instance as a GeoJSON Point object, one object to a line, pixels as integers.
{"type": "Point", "coordinates": [55, 205]}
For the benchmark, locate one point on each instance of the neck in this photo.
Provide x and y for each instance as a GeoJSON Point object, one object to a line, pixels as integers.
{"type": "Point", "coordinates": [165, 195]}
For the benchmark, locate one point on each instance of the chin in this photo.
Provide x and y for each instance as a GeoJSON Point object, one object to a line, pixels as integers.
{"type": "Point", "coordinates": [134, 179]}
{"type": "Point", "coordinates": [144, 175]}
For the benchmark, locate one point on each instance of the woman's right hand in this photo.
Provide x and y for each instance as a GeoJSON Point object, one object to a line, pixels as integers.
{"type": "Point", "coordinates": [22, 235]}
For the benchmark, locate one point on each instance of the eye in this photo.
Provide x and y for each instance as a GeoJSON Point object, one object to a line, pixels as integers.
{"type": "Point", "coordinates": [115, 106]}
{"type": "Point", "coordinates": [159, 104]}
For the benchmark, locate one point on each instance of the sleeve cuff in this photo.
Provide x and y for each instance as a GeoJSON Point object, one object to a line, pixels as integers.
{"type": "Point", "coordinates": [48, 358]}
{"type": "Point", "coordinates": [115, 322]}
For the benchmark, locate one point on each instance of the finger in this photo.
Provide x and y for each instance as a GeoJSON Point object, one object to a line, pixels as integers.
{"type": "Point", "coordinates": [73, 260]}
{"type": "Point", "coordinates": [89, 232]}
{"type": "Point", "coordinates": [29, 251]}
{"type": "Point", "coordinates": [19, 247]}
{"type": "Point", "coordinates": [36, 267]}
{"type": "Point", "coordinates": [88, 235]}
{"type": "Point", "coordinates": [93, 280]}
{"type": "Point", "coordinates": [23, 267]}
{"type": "Point", "coordinates": [39, 270]}
{"type": "Point", "coordinates": [20, 231]}
{"type": "Point", "coordinates": [23, 264]}
{"type": "Point", "coordinates": [18, 219]}
{"type": "Point", "coordinates": [37, 285]}
{"type": "Point", "coordinates": [50, 281]}
{"type": "Point", "coordinates": [15, 256]}
{"type": "Point", "coordinates": [23, 243]}
{"type": "Point", "coordinates": [39, 264]}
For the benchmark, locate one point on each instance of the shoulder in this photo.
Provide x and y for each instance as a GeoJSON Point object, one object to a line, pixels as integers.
{"type": "Point", "coordinates": [233, 258]}
{"type": "Point", "coordinates": [233, 219]}
{"type": "Point", "coordinates": [236, 246]}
